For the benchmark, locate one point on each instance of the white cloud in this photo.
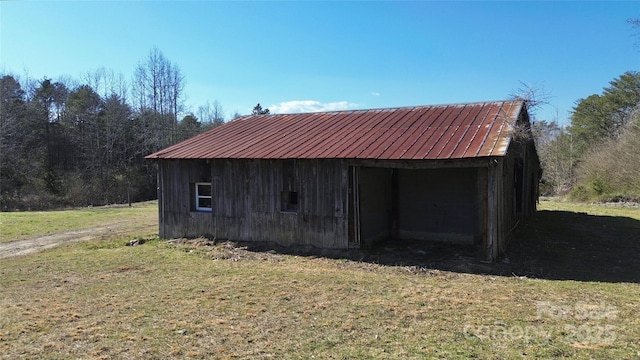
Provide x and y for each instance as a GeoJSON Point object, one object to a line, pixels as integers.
{"type": "Point", "coordinates": [304, 106]}
{"type": "Point", "coordinates": [375, 93]}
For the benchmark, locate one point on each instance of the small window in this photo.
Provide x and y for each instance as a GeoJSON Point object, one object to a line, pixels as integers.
{"type": "Point", "coordinates": [289, 201]}
{"type": "Point", "coordinates": [203, 196]}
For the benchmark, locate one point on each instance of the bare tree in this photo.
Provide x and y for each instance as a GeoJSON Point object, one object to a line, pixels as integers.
{"type": "Point", "coordinates": [533, 95]}
{"type": "Point", "coordinates": [105, 82]}
{"type": "Point", "coordinates": [211, 114]}
{"type": "Point", "coordinates": [158, 87]}
{"type": "Point", "coordinates": [175, 96]}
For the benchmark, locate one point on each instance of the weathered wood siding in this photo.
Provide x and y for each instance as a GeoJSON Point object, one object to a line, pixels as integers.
{"type": "Point", "coordinates": [175, 200]}
{"type": "Point", "coordinates": [512, 192]}
{"type": "Point", "coordinates": [246, 201]}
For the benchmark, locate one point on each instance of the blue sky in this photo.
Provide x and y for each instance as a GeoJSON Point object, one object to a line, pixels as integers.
{"type": "Point", "coordinates": [301, 56]}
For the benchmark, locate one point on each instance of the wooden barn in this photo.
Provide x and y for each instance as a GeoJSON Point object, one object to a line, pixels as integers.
{"type": "Point", "coordinates": [463, 173]}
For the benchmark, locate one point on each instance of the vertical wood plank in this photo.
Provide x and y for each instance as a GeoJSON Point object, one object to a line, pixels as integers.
{"type": "Point", "coordinates": [490, 243]}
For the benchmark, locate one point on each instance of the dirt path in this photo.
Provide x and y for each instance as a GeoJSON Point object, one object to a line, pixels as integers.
{"type": "Point", "coordinates": [28, 246]}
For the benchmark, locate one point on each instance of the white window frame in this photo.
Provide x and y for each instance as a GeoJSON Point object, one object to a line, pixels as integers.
{"type": "Point", "coordinates": [198, 196]}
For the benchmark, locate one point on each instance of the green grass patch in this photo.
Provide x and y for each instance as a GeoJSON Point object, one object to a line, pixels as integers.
{"type": "Point", "coordinates": [29, 224]}
{"type": "Point", "coordinates": [203, 301]}
{"type": "Point", "coordinates": [591, 209]}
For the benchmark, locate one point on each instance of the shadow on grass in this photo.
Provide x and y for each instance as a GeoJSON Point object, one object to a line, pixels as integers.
{"type": "Point", "coordinates": [556, 245]}
{"type": "Point", "coordinates": [577, 246]}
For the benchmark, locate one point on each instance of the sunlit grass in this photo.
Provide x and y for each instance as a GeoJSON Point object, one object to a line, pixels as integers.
{"type": "Point", "coordinates": [101, 299]}
{"type": "Point", "coordinates": [591, 209]}
{"type": "Point", "coordinates": [29, 224]}
{"type": "Point", "coordinates": [155, 301]}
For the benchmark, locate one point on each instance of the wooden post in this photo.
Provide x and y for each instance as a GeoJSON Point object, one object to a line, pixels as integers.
{"type": "Point", "coordinates": [160, 189]}
{"type": "Point", "coordinates": [480, 222]}
{"type": "Point", "coordinates": [493, 210]}
{"type": "Point", "coordinates": [499, 242]}
{"type": "Point", "coordinates": [356, 204]}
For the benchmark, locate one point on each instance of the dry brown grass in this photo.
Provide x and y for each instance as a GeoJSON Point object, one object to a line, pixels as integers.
{"type": "Point", "coordinates": [101, 299]}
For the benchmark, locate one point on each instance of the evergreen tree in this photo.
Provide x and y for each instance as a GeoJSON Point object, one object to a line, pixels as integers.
{"type": "Point", "coordinates": [257, 110]}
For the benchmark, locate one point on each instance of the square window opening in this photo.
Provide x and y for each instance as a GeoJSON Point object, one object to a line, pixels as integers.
{"type": "Point", "coordinates": [289, 201]}
{"type": "Point", "coordinates": [203, 200]}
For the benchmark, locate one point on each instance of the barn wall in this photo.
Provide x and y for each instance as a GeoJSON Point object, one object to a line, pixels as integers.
{"type": "Point", "coordinates": [175, 203]}
{"type": "Point", "coordinates": [494, 210]}
{"type": "Point", "coordinates": [438, 204]}
{"type": "Point", "coordinates": [516, 187]}
{"type": "Point", "coordinates": [512, 191]}
{"type": "Point", "coordinates": [460, 204]}
{"type": "Point", "coordinates": [507, 200]}
{"type": "Point", "coordinates": [511, 209]}
{"type": "Point", "coordinates": [523, 151]}
{"type": "Point", "coordinates": [247, 201]}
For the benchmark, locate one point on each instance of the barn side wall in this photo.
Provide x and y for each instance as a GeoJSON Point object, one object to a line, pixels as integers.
{"type": "Point", "coordinates": [175, 203]}
{"type": "Point", "coordinates": [247, 201]}
{"type": "Point", "coordinates": [512, 190]}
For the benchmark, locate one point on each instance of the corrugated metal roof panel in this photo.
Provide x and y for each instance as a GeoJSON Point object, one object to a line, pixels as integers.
{"type": "Point", "coordinates": [425, 132]}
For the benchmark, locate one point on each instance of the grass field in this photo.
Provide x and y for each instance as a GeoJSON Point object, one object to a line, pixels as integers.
{"type": "Point", "coordinates": [101, 299]}
{"type": "Point", "coordinates": [29, 224]}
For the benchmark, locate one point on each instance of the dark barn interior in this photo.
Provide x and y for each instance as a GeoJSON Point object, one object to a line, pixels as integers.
{"type": "Point", "coordinates": [420, 204]}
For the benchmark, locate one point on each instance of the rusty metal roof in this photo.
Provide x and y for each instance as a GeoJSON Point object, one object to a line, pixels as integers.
{"type": "Point", "coordinates": [437, 132]}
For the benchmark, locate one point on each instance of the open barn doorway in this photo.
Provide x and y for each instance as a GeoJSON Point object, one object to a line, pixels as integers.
{"type": "Point", "coordinates": [420, 208]}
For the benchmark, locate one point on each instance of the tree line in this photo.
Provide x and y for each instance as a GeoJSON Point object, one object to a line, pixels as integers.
{"type": "Point", "coordinates": [82, 142]}
{"type": "Point", "coordinates": [596, 157]}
